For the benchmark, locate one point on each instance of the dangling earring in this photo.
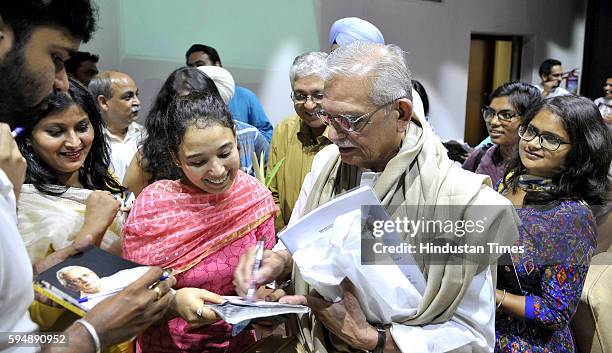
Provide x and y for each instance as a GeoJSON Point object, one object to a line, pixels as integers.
{"type": "Point", "coordinates": [1, 36]}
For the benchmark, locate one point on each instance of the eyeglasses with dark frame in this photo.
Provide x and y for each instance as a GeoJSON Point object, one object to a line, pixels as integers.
{"type": "Point", "coordinates": [301, 98]}
{"type": "Point", "coordinates": [502, 115]}
{"type": "Point", "coordinates": [348, 123]}
{"type": "Point", "coordinates": [548, 141]}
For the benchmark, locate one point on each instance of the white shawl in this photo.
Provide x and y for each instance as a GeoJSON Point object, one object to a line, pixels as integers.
{"type": "Point", "coordinates": [52, 222]}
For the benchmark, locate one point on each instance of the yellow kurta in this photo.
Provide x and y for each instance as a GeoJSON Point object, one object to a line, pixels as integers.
{"type": "Point", "coordinates": [294, 141]}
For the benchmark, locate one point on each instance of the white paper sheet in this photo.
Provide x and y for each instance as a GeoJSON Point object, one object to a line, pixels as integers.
{"type": "Point", "coordinates": [326, 246]}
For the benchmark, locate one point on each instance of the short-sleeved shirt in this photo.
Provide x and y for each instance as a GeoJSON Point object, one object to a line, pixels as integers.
{"type": "Point", "coordinates": [294, 141]}
{"type": "Point", "coordinates": [245, 107]}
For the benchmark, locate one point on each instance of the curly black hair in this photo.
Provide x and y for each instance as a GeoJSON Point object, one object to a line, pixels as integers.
{"type": "Point", "coordinates": [195, 109]}
{"type": "Point", "coordinates": [77, 16]}
{"type": "Point", "coordinates": [584, 173]}
{"type": "Point", "coordinates": [94, 174]}
{"type": "Point", "coordinates": [77, 58]}
{"type": "Point", "coordinates": [156, 159]}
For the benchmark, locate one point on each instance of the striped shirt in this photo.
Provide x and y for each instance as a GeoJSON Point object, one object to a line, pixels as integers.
{"type": "Point", "coordinates": [250, 140]}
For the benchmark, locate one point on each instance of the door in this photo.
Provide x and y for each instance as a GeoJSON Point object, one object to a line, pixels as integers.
{"type": "Point", "coordinates": [493, 61]}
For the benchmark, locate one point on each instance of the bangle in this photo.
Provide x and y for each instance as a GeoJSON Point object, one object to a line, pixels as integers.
{"type": "Point", "coordinates": [92, 333]}
{"type": "Point", "coordinates": [502, 300]}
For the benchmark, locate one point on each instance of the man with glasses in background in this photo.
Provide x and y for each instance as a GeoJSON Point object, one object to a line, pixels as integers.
{"type": "Point", "coordinates": [367, 105]}
{"type": "Point", "coordinates": [298, 138]}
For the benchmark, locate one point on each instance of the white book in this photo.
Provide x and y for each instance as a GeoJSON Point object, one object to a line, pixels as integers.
{"type": "Point", "coordinates": [326, 246]}
{"type": "Point", "coordinates": [319, 222]}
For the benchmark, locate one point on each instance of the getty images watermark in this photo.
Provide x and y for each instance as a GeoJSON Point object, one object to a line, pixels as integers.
{"type": "Point", "coordinates": [400, 234]}
{"type": "Point", "coordinates": [458, 228]}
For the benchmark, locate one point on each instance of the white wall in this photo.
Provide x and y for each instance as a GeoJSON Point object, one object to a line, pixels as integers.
{"type": "Point", "coordinates": [105, 41]}
{"type": "Point", "coordinates": [258, 40]}
{"type": "Point", "coordinates": [437, 36]}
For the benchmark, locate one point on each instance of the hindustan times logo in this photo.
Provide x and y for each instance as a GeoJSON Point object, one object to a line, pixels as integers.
{"type": "Point", "coordinates": [448, 248]}
{"type": "Point", "coordinates": [412, 227]}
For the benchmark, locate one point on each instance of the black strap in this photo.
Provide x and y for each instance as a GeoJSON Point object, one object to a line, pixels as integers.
{"type": "Point", "coordinates": [382, 338]}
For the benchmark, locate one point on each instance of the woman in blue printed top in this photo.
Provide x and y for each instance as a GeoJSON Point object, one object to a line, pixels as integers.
{"type": "Point", "coordinates": [560, 170]}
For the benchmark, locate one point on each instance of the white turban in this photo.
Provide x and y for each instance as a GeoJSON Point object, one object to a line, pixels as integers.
{"type": "Point", "coordinates": [224, 81]}
{"type": "Point", "coordinates": [351, 29]}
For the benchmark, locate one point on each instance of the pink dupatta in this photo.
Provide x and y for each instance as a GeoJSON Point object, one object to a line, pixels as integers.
{"type": "Point", "coordinates": [174, 225]}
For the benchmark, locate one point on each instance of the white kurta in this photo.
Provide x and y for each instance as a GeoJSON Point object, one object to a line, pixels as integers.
{"type": "Point", "coordinates": [123, 150]}
{"type": "Point", "coordinates": [559, 91]}
{"type": "Point", "coordinates": [477, 306]}
{"type": "Point", "coordinates": [16, 292]}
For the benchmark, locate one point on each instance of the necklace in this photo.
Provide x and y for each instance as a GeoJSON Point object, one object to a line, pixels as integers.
{"type": "Point", "coordinates": [530, 182]}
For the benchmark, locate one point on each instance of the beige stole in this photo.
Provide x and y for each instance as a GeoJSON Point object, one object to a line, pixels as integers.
{"type": "Point", "coordinates": [420, 175]}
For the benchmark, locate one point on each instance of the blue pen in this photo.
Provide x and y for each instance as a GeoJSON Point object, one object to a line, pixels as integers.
{"type": "Point", "coordinates": [164, 277]}
{"type": "Point", "coordinates": [18, 130]}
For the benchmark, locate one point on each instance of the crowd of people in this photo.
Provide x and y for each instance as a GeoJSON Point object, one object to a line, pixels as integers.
{"type": "Point", "coordinates": [72, 148]}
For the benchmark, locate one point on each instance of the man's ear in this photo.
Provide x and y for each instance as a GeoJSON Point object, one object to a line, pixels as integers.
{"type": "Point", "coordinates": [404, 108]}
{"type": "Point", "coordinates": [103, 103]}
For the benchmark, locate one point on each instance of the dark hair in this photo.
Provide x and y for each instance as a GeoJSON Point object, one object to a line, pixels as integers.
{"type": "Point", "coordinates": [210, 51]}
{"type": "Point", "coordinates": [195, 109]}
{"type": "Point", "coordinates": [77, 58]}
{"type": "Point", "coordinates": [156, 159]}
{"type": "Point", "coordinates": [23, 16]}
{"type": "Point", "coordinates": [547, 65]}
{"type": "Point", "coordinates": [423, 94]}
{"type": "Point", "coordinates": [94, 174]}
{"type": "Point", "coordinates": [584, 173]}
{"type": "Point", "coordinates": [520, 95]}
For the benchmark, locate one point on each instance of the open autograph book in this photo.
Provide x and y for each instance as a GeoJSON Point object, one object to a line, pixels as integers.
{"type": "Point", "coordinates": [236, 310]}
{"type": "Point", "coordinates": [82, 281]}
